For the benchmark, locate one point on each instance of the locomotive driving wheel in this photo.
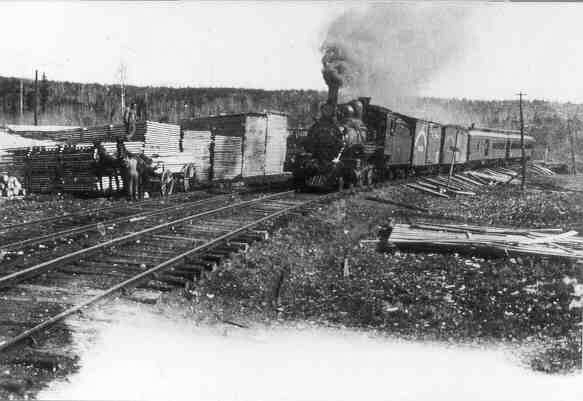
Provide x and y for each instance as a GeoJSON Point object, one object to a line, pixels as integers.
{"type": "Point", "coordinates": [166, 183]}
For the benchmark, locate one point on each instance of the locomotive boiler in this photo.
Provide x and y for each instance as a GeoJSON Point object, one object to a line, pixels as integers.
{"type": "Point", "coordinates": [339, 149]}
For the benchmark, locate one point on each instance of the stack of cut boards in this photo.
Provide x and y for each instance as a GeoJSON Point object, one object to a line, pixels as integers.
{"type": "Point", "coordinates": [158, 138]}
{"type": "Point", "coordinates": [487, 241]}
{"type": "Point", "coordinates": [159, 141]}
{"type": "Point", "coordinates": [69, 170]}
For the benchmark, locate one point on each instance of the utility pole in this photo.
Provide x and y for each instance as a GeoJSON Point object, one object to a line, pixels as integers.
{"type": "Point", "coordinates": [146, 105]}
{"type": "Point", "coordinates": [21, 103]}
{"type": "Point", "coordinates": [523, 183]}
{"type": "Point", "coordinates": [122, 78]}
{"type": "Point", "coordinates": [35, 97]}
{"type": "Point", "coordinates": [572, 138]}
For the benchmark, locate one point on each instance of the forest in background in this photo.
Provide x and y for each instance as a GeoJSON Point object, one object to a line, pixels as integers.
{"type": "Point", "coordinates": [80, 104]}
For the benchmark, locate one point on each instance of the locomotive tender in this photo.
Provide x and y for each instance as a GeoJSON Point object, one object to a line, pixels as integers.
{"type": "Point", "coordinates": [359, 142]}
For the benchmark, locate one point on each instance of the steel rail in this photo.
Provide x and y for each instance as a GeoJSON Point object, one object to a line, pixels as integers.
{"type": "Point", "coordinates": [168, 263]}
{"type": "Point", "coordinates": [88, 227]}
{"type": "Point", "coordinates": [87, 212]}
{"type": "Point", "coordinates": [21, 274]}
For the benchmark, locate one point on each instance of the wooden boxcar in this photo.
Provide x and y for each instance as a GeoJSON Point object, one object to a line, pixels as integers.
{"type": "Point", "coordinates": [244, 145]}
{"type": "Point", "coordinates": [454, 145]}
{"type": "Point", "coordinates": [407, 142]}
{"type": "Point", "coordinates": [398, 143]}
{"type": "Point", "coordinates": [426, 144]}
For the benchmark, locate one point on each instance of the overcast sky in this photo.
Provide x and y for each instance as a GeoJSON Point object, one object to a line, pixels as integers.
{"type": "Point", "coordinates": [535, 48]}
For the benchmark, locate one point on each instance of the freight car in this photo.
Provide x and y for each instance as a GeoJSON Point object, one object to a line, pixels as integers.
{"type": "Point", "coordinates": [246, 146]}
{"type": "Point", "coordinates": [359, 142]}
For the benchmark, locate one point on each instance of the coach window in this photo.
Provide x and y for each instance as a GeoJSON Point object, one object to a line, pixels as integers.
{"type": "Point", "coordinates": [486, 147]}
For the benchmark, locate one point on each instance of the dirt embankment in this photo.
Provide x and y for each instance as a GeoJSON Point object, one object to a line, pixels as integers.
{"type": "Point", "coordinates": [317, 269]}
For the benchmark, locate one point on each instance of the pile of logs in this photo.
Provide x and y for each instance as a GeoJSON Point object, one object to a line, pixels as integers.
{"type": "Point", "coordinates": [485, 241]}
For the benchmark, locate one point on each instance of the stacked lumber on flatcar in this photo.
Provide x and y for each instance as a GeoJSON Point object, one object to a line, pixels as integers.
{"type": "Point", "coordinates": [159, 138]}
{"type": "Point", "coordinates": [40, 132]}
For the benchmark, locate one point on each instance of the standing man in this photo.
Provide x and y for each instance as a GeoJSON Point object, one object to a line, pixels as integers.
{"type": "Point", "coordinates": [129, 119]}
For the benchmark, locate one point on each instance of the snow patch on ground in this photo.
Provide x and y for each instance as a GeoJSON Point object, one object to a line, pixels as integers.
{"type": "Point", "coordinates": [134, 352]}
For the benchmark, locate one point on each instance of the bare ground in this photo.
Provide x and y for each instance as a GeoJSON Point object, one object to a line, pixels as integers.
{"type": "Point", "coordinates": [300, 275]}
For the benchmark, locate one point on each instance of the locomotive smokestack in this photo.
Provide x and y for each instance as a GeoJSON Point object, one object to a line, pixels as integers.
{"type": "Point", "coordinates": [334, 71]}
{"type": "Point", "coordinates": [365, 102]}
{"type": "Point", "coordinates": [333, 94]}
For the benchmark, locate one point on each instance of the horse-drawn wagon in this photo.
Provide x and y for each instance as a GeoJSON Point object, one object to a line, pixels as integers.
{"type": "Point", "coordinates": [172, 174]}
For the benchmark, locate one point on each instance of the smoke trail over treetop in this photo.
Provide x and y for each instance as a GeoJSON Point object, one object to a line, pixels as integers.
{"type": "Point", "coordinates": [390, 51]}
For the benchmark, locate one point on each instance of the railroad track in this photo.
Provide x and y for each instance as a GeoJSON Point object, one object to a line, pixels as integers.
{"type": "Point", "coordinates": [152, 202]}
{"type": "Point", "coordinates": [20, 234]}
{"type": "Point", "coordinates": [32, 250]}
{"type": "Point", "coordinates": [161, 258]}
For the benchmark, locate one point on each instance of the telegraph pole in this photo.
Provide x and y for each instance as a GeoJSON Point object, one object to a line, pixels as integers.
{"type": "Point", "coordinates": [35, 97]}
{"type": "Point", "coordinates": [572, 138]}
{"type": "Point", "coordinates": [21, 103]}
{"type": "Point", "coordinates": [523, 184]}
{"type": "Point", "coordinates": [122, 78]}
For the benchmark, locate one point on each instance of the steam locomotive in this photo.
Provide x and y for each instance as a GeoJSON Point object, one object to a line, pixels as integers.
{"type": "Point", "coordinates": [357, 143]}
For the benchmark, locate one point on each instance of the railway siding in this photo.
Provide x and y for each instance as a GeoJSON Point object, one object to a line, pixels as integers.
{"type": "Point", "coordinates": [138, 259]}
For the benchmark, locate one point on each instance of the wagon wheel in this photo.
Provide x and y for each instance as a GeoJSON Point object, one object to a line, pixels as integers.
{"type": "Point", "coordinates": [340, 184]}
{"type": "Point", "coordinates": [189, 171]}
{"type": "Point", "coordinates": [369, 177]}
{"type": "Point", "coordinates": [166, 183]}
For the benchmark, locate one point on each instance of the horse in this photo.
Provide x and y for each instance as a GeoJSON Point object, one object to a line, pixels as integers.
{"type": "Point", "coordinates": [105, 165]}
{"type": "Point", "coordinates": [136, 171]}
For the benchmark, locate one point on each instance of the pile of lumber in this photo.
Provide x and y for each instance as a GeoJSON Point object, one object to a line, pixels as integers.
{"type": "Point", "coordinates": [159, 138]}
{"type": "Point", "coordinates": [492, 176]}
{"type": "Point", "coordinates": [12, 162]}
{"type": "Point", "coordinates": [111, 147]}
{"type": "Point", "coordinates": [39, 132]}
{"type": "Point", "coordinates": [486, 241]}
{"type": "Point", "coordinates": [465, 183]}
{"type": "Point", "coordinates": [68, 169]}
{"type": "Point", "coordinates": [537, 169]}
{"type": "Point", "coordinates": [70, 166]}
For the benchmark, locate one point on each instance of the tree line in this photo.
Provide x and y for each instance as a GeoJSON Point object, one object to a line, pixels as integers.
{"type": "Point", "coordinates": [79, 104]}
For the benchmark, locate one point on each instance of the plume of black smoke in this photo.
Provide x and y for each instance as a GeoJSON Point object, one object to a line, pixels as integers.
{"type": "Point", "coordinates": [390, 51]}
